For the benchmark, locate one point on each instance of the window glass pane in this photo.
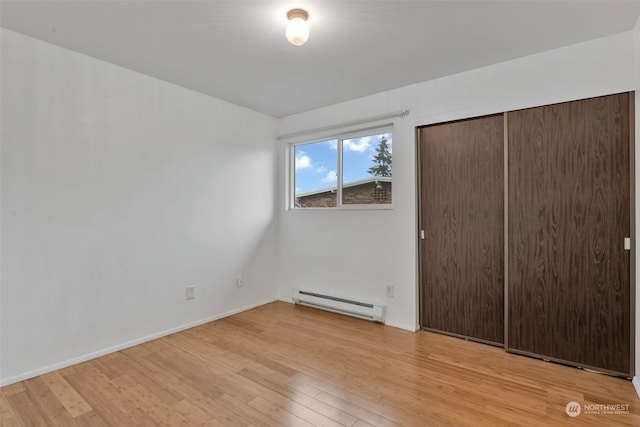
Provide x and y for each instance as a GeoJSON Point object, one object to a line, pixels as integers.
{"type": "Point", "coordinates": [315, 180]}
{"type": "Point", "coordinates": [366, 167]}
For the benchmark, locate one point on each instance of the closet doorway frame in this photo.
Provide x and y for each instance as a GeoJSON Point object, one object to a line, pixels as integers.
{"type": "Point", "coordinates": [632, 95]}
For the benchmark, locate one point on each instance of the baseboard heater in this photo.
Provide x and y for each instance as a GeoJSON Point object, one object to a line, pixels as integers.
{"type": "Point", "coordinates": [362, 310]}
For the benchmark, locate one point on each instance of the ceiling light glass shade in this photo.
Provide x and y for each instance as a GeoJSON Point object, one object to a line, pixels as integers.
{"type": "Point", "coordinates": [297, 31]}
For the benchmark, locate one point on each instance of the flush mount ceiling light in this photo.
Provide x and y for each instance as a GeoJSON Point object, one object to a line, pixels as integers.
{"type": "Point", "coordinates": [297, 29]}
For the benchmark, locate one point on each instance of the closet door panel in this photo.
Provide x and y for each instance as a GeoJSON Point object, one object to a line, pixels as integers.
{"type": "Point", "coordinates": [569, 212]}
{"type": "Point", "coordinates": [461, 212]}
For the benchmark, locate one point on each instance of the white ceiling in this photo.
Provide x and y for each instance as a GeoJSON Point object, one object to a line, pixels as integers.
{"type": "Point", "coordinates": [236, 50]}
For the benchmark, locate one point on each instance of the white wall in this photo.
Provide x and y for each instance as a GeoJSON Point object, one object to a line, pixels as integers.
{"type": "Point", "coordinates": [118, 190]}
{"type": "Point", "coordinates": [357, 253]}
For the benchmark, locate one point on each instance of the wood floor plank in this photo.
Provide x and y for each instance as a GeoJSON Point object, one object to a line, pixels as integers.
{"type": "Point", "coordinates": [91, 419]}
{"type": "Point", "coordinates": [194, 414]}
{"type": "Point", "coordinates": [356, 411]}
{"type": "Point", "coordinates": [145, 418]}
{"type": "Point", "coordinates": [56, 413]}
{"type": "Point", "coordinates": [144, 398]}
{"type": "Point", "coordinates": [224, 378]}
{"type": "Point", "coordinates": [297, 392]}
{"type": "Point", "coordinates": [284, 365]}
{"type": "Point", "coordinates": [28, 412]}
{"type": "Point", "coordinates": [309, 415]}
{"type": "Point", "coordinates": [131, 370]}
{"type": "Point", "coordinates": [277, 413]}
{"type": "Point", "coordinates": [247, 411]}
{"type": "Point", "coordinates": [108, 402]}
{"type": "Point", "coordinates": [7, 416]}
{"type": "Point", "coordinates": [187, 373]}
{"type": "Point", "coordinates": [13, 389]}
{"type": "Point", "coordinates": [68, 397]}
{"type": "Point", "coordinates": [331, 412]}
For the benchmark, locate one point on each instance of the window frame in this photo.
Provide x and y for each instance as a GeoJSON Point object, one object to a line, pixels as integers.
{"type": "Point", "coordinates": [340, 137]}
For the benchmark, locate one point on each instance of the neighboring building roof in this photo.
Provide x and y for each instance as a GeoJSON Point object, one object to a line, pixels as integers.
{"type": "Point", "coordinates": [346, 185]}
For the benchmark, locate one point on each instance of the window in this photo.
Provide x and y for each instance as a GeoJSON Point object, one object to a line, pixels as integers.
{"type": "Point", "coordinates": [316, 174]}
{"type": "Point", "coordinates": [352, 170]}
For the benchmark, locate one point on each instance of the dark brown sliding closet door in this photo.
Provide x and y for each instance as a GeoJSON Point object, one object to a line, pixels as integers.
{"type": "Point", "coordinates": [569, 296]}
{"type": "Point", "coordinates": [461, 213]}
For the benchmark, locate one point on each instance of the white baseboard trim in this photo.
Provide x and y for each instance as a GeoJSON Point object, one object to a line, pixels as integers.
{"type": "Point", "coordinates": [636, 385]}
{"type": "Point", "coordinates": [404, 326]}
{"type": "Point", "coordinates": [118, 347]}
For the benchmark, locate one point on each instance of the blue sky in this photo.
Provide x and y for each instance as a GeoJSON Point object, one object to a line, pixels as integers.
{"type": "Point", "coordinates": [317, 163]}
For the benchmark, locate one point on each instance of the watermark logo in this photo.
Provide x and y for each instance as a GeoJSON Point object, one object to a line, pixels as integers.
{"type": "Point", "coordinates": [606, 409]}
{"type": "Point", "coordinates": [573, 409]}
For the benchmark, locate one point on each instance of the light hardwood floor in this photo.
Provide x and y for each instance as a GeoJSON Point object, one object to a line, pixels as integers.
{"type": "Point", "coordinates": [284, 365]}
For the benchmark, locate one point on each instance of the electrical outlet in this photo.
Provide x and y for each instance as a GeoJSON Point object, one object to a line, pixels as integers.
{"type": "Point", "coordinates": [389, 290]}
{"type": "Point", "coordinates": [240, 281]}
{"type": "Point", "coordinates": [191, 292]}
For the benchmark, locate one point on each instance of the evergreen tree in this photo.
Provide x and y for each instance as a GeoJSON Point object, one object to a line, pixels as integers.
{"type": "Point", "coordinates": [382, 160]}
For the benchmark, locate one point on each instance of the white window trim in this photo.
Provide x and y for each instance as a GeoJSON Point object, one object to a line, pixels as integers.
{"type": "Point", "coordinates": [339, 137]}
